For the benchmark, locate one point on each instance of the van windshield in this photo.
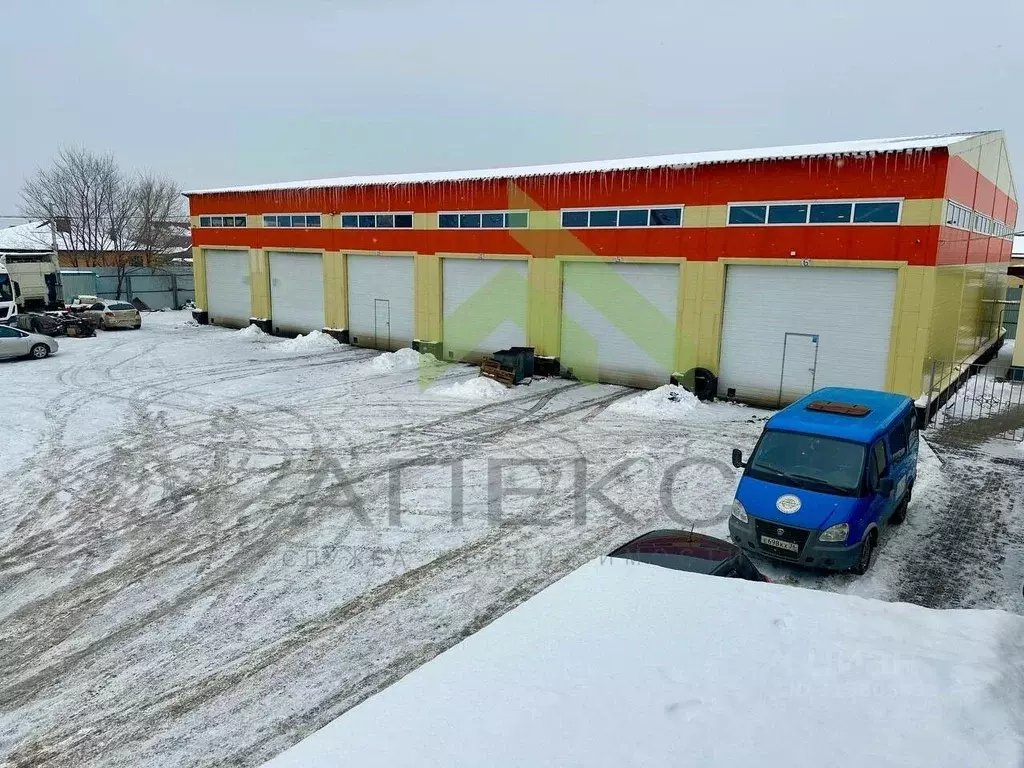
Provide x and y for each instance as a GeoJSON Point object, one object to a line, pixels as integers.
{"type": "Point", "coordinates": [6, 292]}
{"type": "Point", "coordinates": [813, 462]}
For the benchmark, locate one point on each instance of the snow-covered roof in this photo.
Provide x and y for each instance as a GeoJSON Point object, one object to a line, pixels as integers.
{"type": "Point", "coordinates": [622, 663]}
{"type": "Point", "coordinates": [831, 149]}
{"type": "Point", "coordinates": [33, 236]}
{"type": "Point", "coordinates": [36, 236]}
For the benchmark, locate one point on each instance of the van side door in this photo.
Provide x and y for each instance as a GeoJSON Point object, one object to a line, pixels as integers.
{"type": "Point", "coordinates": [899, 460]}
{"type": "Point", "coordinates": [878, 469]}
{"type": "Point", "coordinates": [913, 442]}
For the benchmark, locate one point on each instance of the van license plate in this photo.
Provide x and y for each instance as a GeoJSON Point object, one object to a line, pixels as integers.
{"type": "Point", "coordinates": [780, 544]}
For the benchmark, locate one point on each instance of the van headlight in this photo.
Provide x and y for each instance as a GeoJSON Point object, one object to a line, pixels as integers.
{"type": "Point", "coordinates": [738, 511]}
{"type": "Point", "coordinates": [837, 532]}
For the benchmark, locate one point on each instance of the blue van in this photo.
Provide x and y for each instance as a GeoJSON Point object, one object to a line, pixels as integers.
{"type": "Point", "coordinates": [826, 474]}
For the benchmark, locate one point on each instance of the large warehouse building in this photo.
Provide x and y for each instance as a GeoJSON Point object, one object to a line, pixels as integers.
{"type": "Point", "coordinates": [780, 270]}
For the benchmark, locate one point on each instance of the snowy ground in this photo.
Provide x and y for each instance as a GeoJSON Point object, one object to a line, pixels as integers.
{"type": "Point", "coordinates": [216, 541]}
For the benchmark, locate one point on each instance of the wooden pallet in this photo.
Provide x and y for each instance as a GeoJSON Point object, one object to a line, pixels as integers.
{"type": "Point", "coordinates": [492, 369]}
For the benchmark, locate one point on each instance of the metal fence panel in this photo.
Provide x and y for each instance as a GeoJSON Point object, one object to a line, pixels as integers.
{"type": "Point", "coordinates": [979, 401]}
{"type": "Point", "coordinates": [77, 283]}
{"type": "Point", "coordinates": [1011, 310]}
{"type": "Point", "coordinates": [157, 287]}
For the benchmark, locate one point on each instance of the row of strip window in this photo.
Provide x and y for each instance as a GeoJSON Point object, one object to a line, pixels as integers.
{"type": "Point", "coordinates": [622, 217]}
{"type": "Point", "coordinates": [300, 220]}
{"type": "Point", "coordinates": [860, 212]}
{"type": "Point", "coordinates": [222, 221]}
{"type": "Point", "coordinates": [962, 217]}
{"type": "Point", "coordinates": [376, 221]}
{"type": "Point", "coordinates": [483, 220]}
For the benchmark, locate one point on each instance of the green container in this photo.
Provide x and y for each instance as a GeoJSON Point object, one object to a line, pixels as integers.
{"type": "Point", "coordinates": [516, 361]}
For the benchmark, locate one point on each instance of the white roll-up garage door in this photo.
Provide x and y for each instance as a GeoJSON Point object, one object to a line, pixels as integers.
{"type": "Point", "coordinates": [380, 301]}
{"type": "Point", "coordinates": [619, 322]}
{"type": "Point", "coordinates": [790, 330]}
{"type": "Point", "coordinates": [227, 287]}
{"type": "Point", "coordinates": [484, 306]}
{"type": "Point", "coordinates": [296, 292]}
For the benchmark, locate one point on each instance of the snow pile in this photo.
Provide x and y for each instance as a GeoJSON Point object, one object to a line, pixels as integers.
{"type": "Point", "coordinates": [251, 333]}
{"type": "Point", "coordinates": [595, 671]}
{"type": "Point", "coordinates": [671, 401]}
{"type": "Point", "coordinates": [403, 359]}
{"type": "Point", "coordinates": [480, 388]}
{"type": "Point", "coordinates": [314, 341]}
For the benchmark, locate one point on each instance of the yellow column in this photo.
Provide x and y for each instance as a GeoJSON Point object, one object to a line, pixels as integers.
{"type": "Point", "coordinates": [259, 282]}
{"type": "Point", "coordinates": [427, 274]}
{"type": "Point", "coordinates": [544, 306]}
{"type": "Point", "coordinates": [335, 290]}
{"type": "Point", "coordinates": [908, 346]}
{"type": "Point", "coordinates": [199, 276]}
{"type": "Point", "coordinates": [699, 316]}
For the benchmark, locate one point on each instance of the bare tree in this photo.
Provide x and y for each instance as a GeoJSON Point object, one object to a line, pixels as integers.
{"type": "Point", "coordinates": [161, 220]}
{"type": "Point", "coordinates": [82, 189]}
{"type": "Point", "coordinates": [106, 218]}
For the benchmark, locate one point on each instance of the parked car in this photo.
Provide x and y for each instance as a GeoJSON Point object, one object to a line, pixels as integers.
{"type": "Point", "coordinates": [826, 474]}
{"type": "Point", "coordinates": [688, 551]}
{"type": "Point", "coordinates": [114, 314]}
{"type": "Point", "coordinates": [15, 342]}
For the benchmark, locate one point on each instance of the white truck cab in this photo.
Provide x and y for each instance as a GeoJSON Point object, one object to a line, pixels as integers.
{"type": "Point", "coordinates": [9, 291]}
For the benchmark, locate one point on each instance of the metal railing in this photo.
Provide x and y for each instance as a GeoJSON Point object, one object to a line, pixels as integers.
{"type": "Point", "coordinates": [977, 399]}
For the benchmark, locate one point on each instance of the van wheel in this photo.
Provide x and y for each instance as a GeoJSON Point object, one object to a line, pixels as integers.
{"type": "Point", "coordinates": [867, 551]}
{"type": "Point", "coordinates": [900, 514]}
{"type": "Point", "coordinates": [39, 351]}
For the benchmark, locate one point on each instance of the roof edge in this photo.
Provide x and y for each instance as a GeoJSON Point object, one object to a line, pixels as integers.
{"type": "Point", "coordinates": [657, 162]}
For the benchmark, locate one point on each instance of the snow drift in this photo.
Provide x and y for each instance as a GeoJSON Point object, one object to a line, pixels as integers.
{"type": "Point", "coordinates": [403, 359]}
{"type": "Point", "coordinates": [480, 388]}
{"type": "Point", "coordinates": [251, 333]}
{"type": "Point", "coordinates": [670, 401]}
{"type": "Point", "coordinates": [623, 663]}
{"type": "Point", "coordinates": [314, 341]}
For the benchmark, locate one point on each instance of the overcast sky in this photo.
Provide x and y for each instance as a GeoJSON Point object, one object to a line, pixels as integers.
{"type": "Point", "coordinates": [218, 92]}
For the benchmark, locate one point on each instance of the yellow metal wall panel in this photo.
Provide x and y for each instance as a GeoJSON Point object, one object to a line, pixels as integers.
{"type": "Point", "coordinates": [254, 221]}
{"type": "Point", "coordinates": [199, 276]}
{"type": "Point", "coordinates": [908, 351]}
{"type": "Point", "coordinates": [945, 317]}
{"type": "Point", "coordinates": [987, 155]}
{"type": "Point", "coordinates": [712, 299]}
{"type": "Point", "coordinates": [705, 215]}
{"type": "Point", "coordinates": [923, 212]}
{"type": "Point", "coordinates": [424, 221]}
{"type": "Point", "coordinates": [545, 219]}
{"type": "Point", "coordinates": [544, 305]}
{"type": "Point", "coordinates": [1018, 348]}
{"type": "Point", "coordinates": [1005, 178]}
{"type": "Point", "coordinates": [699, 324]}
{"type": "Point", "coordinates": [427, 274]}
{"type": "Point", "coordinates": [259, 282]}
{"type": "Point", "coordinates": [335, 290]}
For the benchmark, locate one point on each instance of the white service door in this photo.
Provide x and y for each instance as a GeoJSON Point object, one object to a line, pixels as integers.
{"type": "Point", "coordinates": [789, 330]}
{"type": "Point", "coordinates": [619, 322]}
{"type": "Point", "coordinates": [484, 306]}
{"type": "Point", "coordinates": [380, 301]}
{"type": "Point", "coordinates": [227, 287]}
{"type": "Point", "coordinates": [296, 292]}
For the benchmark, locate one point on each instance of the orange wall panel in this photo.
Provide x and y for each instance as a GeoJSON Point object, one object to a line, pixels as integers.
{"type": "Point", "coordinates": [915, 175]}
